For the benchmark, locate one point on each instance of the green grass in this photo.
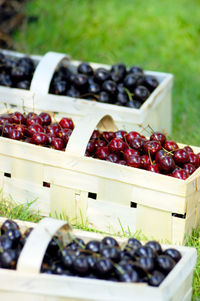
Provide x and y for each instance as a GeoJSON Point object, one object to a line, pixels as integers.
{"type": "Point", "coordinates": [158, 35]}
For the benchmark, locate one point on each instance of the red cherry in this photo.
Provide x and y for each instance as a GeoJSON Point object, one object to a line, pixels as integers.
{"type": "Point", "coordinates": [198, 155]}
{"type": "Point", "coordinates": [151, 147]}
{"type": "Point", "coordinates": [65, 134]}
{"type": "Point", "coordinates": [145, 161]}
{"type": "Point", "coordinates": [99, 143]}
{"type": "Point", "coordinates": [112, 158]}
{"type": "Point", "coordinates": [190, 168]}
{"type": "Point", "coordinates": [134, 161]}
{"type": "Point", "coordinates": [34, 129]}
{"type": "Point", "coordinates": [107, 136]}
{"type": "Point", "coordinates": [66, 123]}
{"type": "Point", "coordinates": [14, 134]}
{"type": "Point", "coordinates": [34, 118]}
{"type": "Point", "coordinates": [166, 164]}
{"type": "Point", "coordinates": [194, 159]}
{"type": "Point", "coordinates": [188, 149]}
{"type": "Point", "coordinates": [39, 139]}
{"type": "Point", "coordinates": [154, 168]}
{"type": "Point", "coordinates": [158, 136]}
{"type": "Point", "coordinates": [22, 128]}
{"type": "Point", "coordinates": [53, 129]}
{"type": "Point", "coordinates": [46, 118]}
{"type": "Point", "coordinates": [160, 154]}
{"type": "Point", "coordinates": [137, 143]}
{"type": "Point", "coordinates": [120, 134]}
{"type": "Point", "coordinates": [95, 134]}
{"type": "Point", "coordinates": [4, 118]}
{"type": "Point", "coordinates": [57, 143]}
{"type": "Point", "coordinates": [90, 147]}
{"type": "Point", "coordinates": [18, 118]}
{"type": "Point", "coordinates": [116, 145]}
{"type": "Point", "coordinates": [181, 157]}
{"type": "Point", "coordinates": [170, 145]}
{"type": "Point", "coordinates": [180, 174]}
{"type": "Point", "coordinates": [131, 151]}
{"type": "Point", "coordinates": [102, 152]}
{"type": "Point", "coordinates": [121, 162]}
{"type": "Point", "coordinates": [130, 136]}
{"type": "Point", "coordinates": [6, 129]}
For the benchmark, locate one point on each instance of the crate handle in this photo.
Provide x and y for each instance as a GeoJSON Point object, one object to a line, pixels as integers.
{"type": "Point", "coordinates": [31, 257]}
{"type": "Point", "coordinates": [82, 132]}
{"type": "Point", "coordinates": [44, 71]}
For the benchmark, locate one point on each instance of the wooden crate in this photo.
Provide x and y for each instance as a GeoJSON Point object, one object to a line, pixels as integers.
{"type": "Point", "coordinates": [28, 284]}
{"type": "Point", "coordinates": [127, 199]}
{"type": "Point", "coordinates": [156, 110]}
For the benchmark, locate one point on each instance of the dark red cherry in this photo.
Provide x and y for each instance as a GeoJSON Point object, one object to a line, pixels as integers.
{"type": "Point", "coordinates": [190, 168]}
{"type": "Point", "coordinates": [21, 128]}
{"type": "Point", "coordinates": [131, 135]}
{"type": "Point", "coordinates": [34, 129]}
{"type": "Point", "coordinates": [180, 174]}
{"type": "Point", "coordinates": [181, 157]}
{"type": "Point", "coordinates": [137, 143]}
{"type": "Point", "coordinates": [145, 161]}
{"type": "Point", "coordinates": [90, 147]}
{"type": "Point", "coordinates": [6, 129]}
{"type": "Point", "coordinates": [167, 164]}
{"type": "Point", "coordinates": [39, 139]}
{"type": "Point", "coordinates": [102, 152]}
{"type": "Point", "coordinates": [33, 119]}
{"type": "Point", "coordinates": [170, 145]}
{"type": "Point", "coordinates": [194, 159]}
{"type": "Point", "coordinates": [66, 123]}
{"type": "Point", "coordinates": [121, 162]}
{"type": "Point", "coordinates": [14, 134]}
{"type": "Point", "coordinates": [188, 149]}
{"type": "Point", "coordinates": [134, 161]}
{"type": "Point", "coordinates": [120, 134]}
{"type": "Point", "coordinates": [4, 118]}
{"type": "Point", "coordinates": [17, 117]}
{"type": "Point", "coordinates": [108, 136]}
{"type": "Point", "coordinates": [99, 143]}
{"type": "Point", "coordinates": [153, 167]}
{"type": "Point", "coordinates": [57, 143]}
{"type": "Point", "coordinates": [46, 118]}
{"type": "Point", "coordinates": [158, 136]}
{"type": "Point", "coordinates": [151, 147]}
{"type": "Point", "coordinates": [113, 158]}
{"type": "Point", "coordinates": [53, 129]}
{"type": "Point", "coordinates": [116, 145]}
{"type": "Point", "coordinates": [65, 134]}
{"type": "Point", "coordinates": [95, 134]}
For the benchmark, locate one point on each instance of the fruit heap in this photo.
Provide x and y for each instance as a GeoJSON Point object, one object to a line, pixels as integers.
{"type": "Point", "coordinates": [106, 260]}
{"type": "Point", "coordinates": [103, 259]}
{"type": "Point", "coordinates": [16, 72]}
{"type": "Point", "coordinates": [120, 85]}
{"type": "Point", "coordinates": [156, 154]}
{"type": "Point", "coordinates": [36, 129]}
{"type": "Point", "coordinates": [11, 243]}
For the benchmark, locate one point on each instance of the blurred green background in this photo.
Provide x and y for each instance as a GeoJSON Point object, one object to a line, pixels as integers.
{"type": "Point", "coordinates": [158, 35]}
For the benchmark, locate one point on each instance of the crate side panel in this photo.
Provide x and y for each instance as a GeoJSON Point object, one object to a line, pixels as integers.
{"type": "Point", "coordinates": [154, 223]}
{"type": "Point", "coordinates": [21, 192]}
{"type": "Point", "coordinates": [27, 171]}
{"type": "Point", "coordinates": [110, 217]}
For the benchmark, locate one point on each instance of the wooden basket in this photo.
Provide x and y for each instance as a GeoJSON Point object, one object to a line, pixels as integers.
{"type": "Point", "coordinates": [127, 198]}
{"type": "Point", "coordinates": [27, 284]}
{"type": "Point", "coordinates": [156, 110]}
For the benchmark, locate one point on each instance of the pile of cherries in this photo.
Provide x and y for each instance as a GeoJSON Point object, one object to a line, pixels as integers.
{"type": "Point", "coordinates": [119, 85]}
{"type": "Point", "coordinates": [16, 72]}
{"type": "Point", "coordinates": [107, 260]}
{"type": "Point", "coordinates": [104, 259]}
{"type": "Point", "coordinates": [36, 129]}
{"type": "Point", "coordinates": [12, 241]}
{"type": "Point", "coordinates": [156, 154]}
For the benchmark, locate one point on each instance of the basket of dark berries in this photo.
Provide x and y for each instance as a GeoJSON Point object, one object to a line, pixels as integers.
{"type": "Point", "coordinates": [49, 260]}
{"type": "Point", "coordinates": [133, 96]}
